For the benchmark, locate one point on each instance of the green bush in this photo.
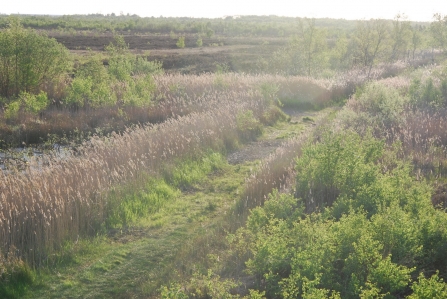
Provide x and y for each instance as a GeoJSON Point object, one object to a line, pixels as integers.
{"type": "Point", "coordinates": [383, 104]}
{"type": "Point", "coordinates": [34, 103]}
{"type": "Point", "coordinates": [173, 291]}
{"type": "Point", "coordinates": [199, 42]}
{"type": "Point", "coordinates": [80, 91]}
{"type": "Point", "coordinates": [272, 115]}
{"type": "Point", "coordinates": [434, 287]}
{"type": "Point", "coordinates": [427, 94]}
{"type": "Point", "coordinates": [248, 126]}
{"type": "Point", "coordinates": [142, 66]}
{"type": "Point", "coordinates": [126, 81]}
{"type": "Point", "coordinates": [12, 109]}
{"type": "Point", "coordinates": [367, 241]}
{"type": "Point", "coordinates": [139, 92]}
{"type": "Point", "coordinates": [28, 60]}
{"type": "Point", "coordinates": [181, 42]}
{"type": "Point", "coordinates": [26, 102]}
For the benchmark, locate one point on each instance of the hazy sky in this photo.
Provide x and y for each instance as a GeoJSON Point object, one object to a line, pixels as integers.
{"type": "Point", "coordinates": [418, 10]}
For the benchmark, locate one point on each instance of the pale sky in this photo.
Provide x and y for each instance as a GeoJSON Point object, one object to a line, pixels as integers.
{"type": "Point", "coordinates": [417, 10]}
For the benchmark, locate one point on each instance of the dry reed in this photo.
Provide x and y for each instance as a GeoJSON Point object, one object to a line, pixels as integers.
{"type": "Point", "coordinates": [61, 199]}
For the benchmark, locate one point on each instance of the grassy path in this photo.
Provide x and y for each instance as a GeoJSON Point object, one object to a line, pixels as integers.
{"type": "Point", "coordinates": [134, 263]}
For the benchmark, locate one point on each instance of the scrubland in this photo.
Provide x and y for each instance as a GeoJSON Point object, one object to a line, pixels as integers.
{"type": "Point", "coordinates": [137, 199]}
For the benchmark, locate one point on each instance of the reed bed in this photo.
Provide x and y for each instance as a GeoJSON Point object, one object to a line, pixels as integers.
{"type": "Point", "coordinates": [394, 110]}
{"type": "Point", "coordinates": [177, 95]}
{"type": "Point", "coordinates": [423, 136]}
{"type": "Point", "coordinates": [56, 199]}
{"type": "Point", "coordinates": [63, 199]}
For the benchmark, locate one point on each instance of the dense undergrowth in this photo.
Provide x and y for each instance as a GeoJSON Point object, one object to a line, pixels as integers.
{"type": "Point", "coordinates": [111, 182]}
{"type": "Point", "coordinates": [180, 95]}
{"type": "Point", "coordinates": [359, 222]}
{"type": "Point", "coordinates": [336, 179]}
{"type": "Point", "coordinates": [49, 95]}
{"type": "Point", "coordinates": [363, 220]}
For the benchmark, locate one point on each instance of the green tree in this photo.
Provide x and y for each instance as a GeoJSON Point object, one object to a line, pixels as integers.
{"type": "Point", "coordinates": [340, 57]}
{"type": "Point", "coordinates": [181, 42]}
{"type": "Point", "coordinates": [438, 30]}
{"type": "Point", "coordinates": [434, 287]}
{"type": "Point", "coordinates": [28, 60]}
{"type": "Point", "coordinates": [401, 34]}
{"type": "Point", "coordinates": [370, 39]}
{"type": "Point", "coordinates": [416, 40]}
{"type": "Point", "coordinates": [312, 44]}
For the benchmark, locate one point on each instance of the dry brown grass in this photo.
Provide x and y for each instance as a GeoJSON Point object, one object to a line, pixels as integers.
{"type": "Point", "coordinates": [56, 199]}
{"type": "Point", "coordinates": [419, 129]}
{"type": "Point", "coordinates": [178, 95]}
{"type": "Point", "coordinates": [61, 199]}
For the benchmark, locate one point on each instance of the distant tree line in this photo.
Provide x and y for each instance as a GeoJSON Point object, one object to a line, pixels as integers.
{"type": "Point", "coordinates": [263, 26]}
{"type": "Point", "coordinates": [314, 51]}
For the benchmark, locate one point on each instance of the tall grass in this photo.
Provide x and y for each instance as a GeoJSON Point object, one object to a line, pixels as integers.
{"type": "Point", "coordinates": [57, 199]}
{"type": "Point", "coordinates": [403, 113]}
{"type": "Point", "coordinates": [60, 199]}
{"type": "Point", "coordinates": [178, 95]}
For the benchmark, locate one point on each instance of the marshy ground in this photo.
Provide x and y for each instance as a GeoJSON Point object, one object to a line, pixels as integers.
{"type": "Point", "coordinates": [135, 261]}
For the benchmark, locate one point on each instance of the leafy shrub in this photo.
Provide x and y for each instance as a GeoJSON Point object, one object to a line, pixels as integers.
{"type": "Point", "coordinates": [434, 287]}
{"type": "Point", "coordinates": [248, 126]}
{"type": "Point", "coordinates": [380, 228]}
{"type": "Point", "coordinates": [139, 91]}
{"type": "Point", "coordinates": [427, 94]}
{"type": "Point", "coordinates": [34, 103]}
{"type": "Point", "coordinates": [127, 80]}
{"type": "Point", "coordinates": [338, 165]}
{"type": "Point", "coordinates": [79, 92]}
{"type": "Point", "coordinates": [383, 104]}
{"type": "Point", "coordinates": [272, 115]}
{"type": "Point", "coordinates": [26, 102]}
{"type": "Point", "coordinates": [199, 42]}
{"type": "Point", "coordinates": [173, 291]}
{"type": "Point", "coordinates": [12, 109]}
{"type": "Point", "coordinates": [180, 42]}
{"type": "Point", "coordinates": [28, 60]}
{"type": "Point", "coordinates": [142, 66]}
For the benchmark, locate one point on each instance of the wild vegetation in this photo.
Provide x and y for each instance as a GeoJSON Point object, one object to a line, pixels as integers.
{"type": "Point", "coordinates": [352, 208]}
{"type": "Point", "coordinates": [363, 219]}
{"type": "Point", "coordinates": [42, 84]}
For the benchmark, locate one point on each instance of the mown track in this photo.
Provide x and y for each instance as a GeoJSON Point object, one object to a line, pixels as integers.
{"type": "Point", "coordinates": [135, 262]}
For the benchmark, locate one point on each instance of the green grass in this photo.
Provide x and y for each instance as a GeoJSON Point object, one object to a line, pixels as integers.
{"type": "Point", "coordinates": [15, 278]}
{"type": "Point", "coordinates": [168, 228]}
{"type": "Point", "coordinates": [155, 194]}
{"type": "Point", "coordinates": [135, 261]}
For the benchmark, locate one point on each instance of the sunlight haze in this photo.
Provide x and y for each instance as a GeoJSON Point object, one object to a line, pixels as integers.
{"type": "Point", "coordinates": [347, 9]}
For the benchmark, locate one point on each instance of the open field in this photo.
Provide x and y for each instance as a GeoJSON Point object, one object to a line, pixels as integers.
{"type": "Point", "coordinates": [240, 53]}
